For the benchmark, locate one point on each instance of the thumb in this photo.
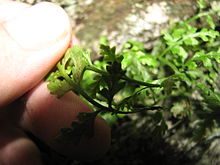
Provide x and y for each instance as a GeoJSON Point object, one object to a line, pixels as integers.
{"type": "Point", "coordinates": [31, 43]}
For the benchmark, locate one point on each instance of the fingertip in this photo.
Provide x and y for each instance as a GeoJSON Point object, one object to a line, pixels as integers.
{"type": "Point", "coordinates": [39, 26]}
{"type": "Point", "coordinates": [21, 151]}
{"type": "Point", "coordinates": [32, 42]}
{"type": "Point", "coordinates": [6, 8]}
{"type": "Point", "coordinates": [16, 148]}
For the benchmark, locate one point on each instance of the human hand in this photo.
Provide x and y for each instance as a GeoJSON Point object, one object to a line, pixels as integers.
{"type": "Point", "coordinates": [32, 40]}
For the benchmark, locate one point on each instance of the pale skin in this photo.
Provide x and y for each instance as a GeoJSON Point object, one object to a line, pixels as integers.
{"type": "Point", "coordinates": [32, 40]}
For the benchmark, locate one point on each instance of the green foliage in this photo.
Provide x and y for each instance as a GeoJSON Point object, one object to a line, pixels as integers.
{"type": "Point", "coordinates": [83, 127]}
{"type": "Point", "coordinates": [178, 80]}
{"type": "Point", "coordinates": [201, 4]}
{"type": "Point", "coordinates": [69, 71]}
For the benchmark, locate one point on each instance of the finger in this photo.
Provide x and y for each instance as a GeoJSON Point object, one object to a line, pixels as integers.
{"type": "Point", "coordinates": [44, 115]}
{"type": "Point", "coordinates": [15, 148]}
{"type": "Point", "coordinates": [40, 116]}
{"type": "Point", "coordinates": [31, 43]}
{"type": "Point", "coordinates": [9, 9]}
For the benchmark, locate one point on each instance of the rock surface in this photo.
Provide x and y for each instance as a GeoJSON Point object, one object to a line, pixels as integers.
{"type": "Point", "coordinates": [122, 20]}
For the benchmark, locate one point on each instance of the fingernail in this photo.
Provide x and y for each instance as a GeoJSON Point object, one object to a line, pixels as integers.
{"type": "Point", "coordinates": [39, 26]}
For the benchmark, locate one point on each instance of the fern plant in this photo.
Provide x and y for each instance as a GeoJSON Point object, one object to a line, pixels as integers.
{"type": "Point", "coordinates": [176, 81]}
